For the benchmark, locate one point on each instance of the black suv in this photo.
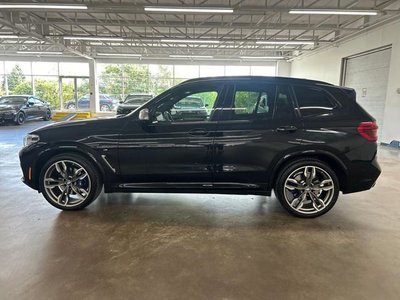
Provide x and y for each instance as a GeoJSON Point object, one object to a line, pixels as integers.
{"type": "Point", "coordinates": [306, 140]}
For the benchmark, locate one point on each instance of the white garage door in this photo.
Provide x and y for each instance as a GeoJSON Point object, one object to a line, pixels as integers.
{"type": "Point", "coordinates": [368, 73]}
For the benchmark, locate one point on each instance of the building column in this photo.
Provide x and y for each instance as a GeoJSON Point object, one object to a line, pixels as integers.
{"type": "Point", "coordinates": [94, 87]}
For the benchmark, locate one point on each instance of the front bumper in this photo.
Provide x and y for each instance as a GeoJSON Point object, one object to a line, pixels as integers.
{"type": "Point", "coordinates": [362, 176]}
{"type": "Point", "coordinates": [7, 117]}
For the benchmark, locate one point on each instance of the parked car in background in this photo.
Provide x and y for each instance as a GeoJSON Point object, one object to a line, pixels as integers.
{"type": "Point", "coordinates": [306, 140]}
{"type": "Point", "coordinates": [20, 108]}
{"type": "Point", "coordinates": [132, 102]}
{"type": "Point", "coordinates": [107, 103]}
{"type": "Point", "coordinates": [189, 108]}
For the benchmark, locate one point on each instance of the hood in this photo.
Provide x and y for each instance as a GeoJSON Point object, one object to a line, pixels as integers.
{"type": "Point", "coordinates": [6, 107]}
{"type": "Point", "coordinates": [80, 129]}
{"type": "Point", "coordinates": [76, 124]}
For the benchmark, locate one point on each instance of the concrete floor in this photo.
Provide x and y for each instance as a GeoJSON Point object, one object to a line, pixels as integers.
{"type": "Point", "coordinates": [150, 246]}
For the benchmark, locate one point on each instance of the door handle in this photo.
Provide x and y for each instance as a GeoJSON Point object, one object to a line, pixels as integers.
{"type": "Point", "coordinates": [198, 131]}
{"type": "Point", "coordinates": [286, 129]}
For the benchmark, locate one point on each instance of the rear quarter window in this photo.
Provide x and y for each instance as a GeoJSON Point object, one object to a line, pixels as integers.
{"type": "Point", "coordinates": [314, 101]}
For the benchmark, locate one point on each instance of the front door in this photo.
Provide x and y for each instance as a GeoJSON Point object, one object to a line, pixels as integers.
{"type": "Point", "coordinates": [40, 107]}
{"type": "Point", "coordinates": [32, 109]}
{"type": "Point", "coordinates": [258, 122]}
{"type": "Point", "coordinates": [174, 148]}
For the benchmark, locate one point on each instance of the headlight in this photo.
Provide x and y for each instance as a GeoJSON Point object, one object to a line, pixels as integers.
{"type": "Point", "coordinates": [30, 139]}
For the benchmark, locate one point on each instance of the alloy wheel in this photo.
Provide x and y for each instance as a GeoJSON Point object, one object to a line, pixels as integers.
{"type": "Point", "coordinates": [104, 108]}
{"type": "Point", "coordinates": [67, 183]}
{"type": "Point", "coordinates": [309, 189]}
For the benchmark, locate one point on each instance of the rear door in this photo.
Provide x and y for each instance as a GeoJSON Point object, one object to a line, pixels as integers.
{"type": "Point", "coordinates": [258, 123]}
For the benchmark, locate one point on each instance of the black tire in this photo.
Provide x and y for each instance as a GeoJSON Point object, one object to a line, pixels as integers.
{"type": "Point", "coordinates": [306, 193]}
{"type": "Point", "coordinates": [105, 107]}
{"type": "Point", "coordinates": [47, 115]}
{"type": "Point", "coordinates": [93, 178]}
{"type": "Point", "coordinates": [71, 106]}
{"type": "Point", "coordinates": [19, 118]}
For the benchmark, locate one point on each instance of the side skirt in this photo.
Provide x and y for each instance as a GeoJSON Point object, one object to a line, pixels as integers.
{"type": "Point", "coordinates": [189, 188]}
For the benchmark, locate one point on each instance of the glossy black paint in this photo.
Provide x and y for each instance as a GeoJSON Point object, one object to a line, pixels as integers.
{"type": "Point", "coordinates": [219, 155]}
{"type": "Point", "coordinates": [32, 107]}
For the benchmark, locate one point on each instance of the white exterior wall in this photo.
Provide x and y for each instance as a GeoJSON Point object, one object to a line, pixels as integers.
{"type": "Point", "coordinates": [283, 68]}
{"type": "Point", "coordinates": [325, 65]}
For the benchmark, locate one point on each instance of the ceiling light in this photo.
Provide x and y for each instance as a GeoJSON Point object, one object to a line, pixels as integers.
{"type": "Point", "coordinates": [40, 52]}
{"type": "Point", "coordinates": [261, 57]}
{"type": "Point", "coordinates": [8, 36]}
{"type": "Point", "coordinates": [286, 42]}
{"type": "Point", "coordinates": [119, 54]}
{"type": "Point", "coordinates": [349, 12]}
{"type": "Point", "coordinates": [41, 6]}
{"type": "Point", "coordinates": [190, 41]}
{"type": "Point", "coordinates": [94, 38]}
{"type": "Point", "coordinates": [189, 9]}
{"type": "Point", "coordinates": [190, 56]}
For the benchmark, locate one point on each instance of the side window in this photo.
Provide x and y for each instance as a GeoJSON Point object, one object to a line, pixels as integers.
{"type": "Point", "coordinates": [187, 106]}
{"type": "Point", "coordinates": [313, 101]}
{"type": "Point", "coordinates": [283, 105]}
{"type": "Point", "coordinates": [251, 102]}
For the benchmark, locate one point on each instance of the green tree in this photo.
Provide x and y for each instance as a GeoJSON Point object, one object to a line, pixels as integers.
{"type": "Point", "coordinates": [23, 88]}
{"type": "Point", "coordinates": [124, 79]}
{"type": "Point", "coordinates": [48, 91]}
{"type": "Point", "coordinates": [161, 81]}
{"type": "Point", "coordinates": [15, 78]}
{"type": "Point", "coordinates": [136, 78]}
{"type": "Point", "coordinates": [67, 91]}
{"type": "Point", "coordinates": [2, 90]}
{"type": "Point", "coordinates": [83, 87]}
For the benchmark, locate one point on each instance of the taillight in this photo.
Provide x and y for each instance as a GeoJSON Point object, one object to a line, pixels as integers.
{"type": "Point", "coordinates": [368, 130]}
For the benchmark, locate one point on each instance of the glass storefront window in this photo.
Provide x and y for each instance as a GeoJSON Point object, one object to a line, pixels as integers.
{"type": "Point", "coordinates": [208, 71]}
{"type": "Point", "coordinates": [73, 69]}
{"type": "Point", "coordinates": [115, 80]}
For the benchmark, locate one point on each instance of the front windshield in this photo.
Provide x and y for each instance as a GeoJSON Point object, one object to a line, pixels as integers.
{"type": "Point", "coordinates": [12, 100]}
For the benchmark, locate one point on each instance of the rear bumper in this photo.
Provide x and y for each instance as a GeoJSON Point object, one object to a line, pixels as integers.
{"type": "Point", "coordinates": [362, 176]}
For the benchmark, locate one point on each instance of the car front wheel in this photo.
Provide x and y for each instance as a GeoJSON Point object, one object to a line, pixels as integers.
{"type": "Point", "coordinates": [307, 188]}
{"type": "Point", "coordinates": [70, 182]}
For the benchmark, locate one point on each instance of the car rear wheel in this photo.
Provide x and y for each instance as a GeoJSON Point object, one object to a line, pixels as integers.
{"type": "Point", "coordinates": [70, 182]}
{"type": "Point", "coordinates": [105, 107]}
{"type": "Point", "coordinates": [20, 118]}
{"type": "Point", "coordinates": [47, 115]}
{"type": "Point", "coordinates": [307, 188]}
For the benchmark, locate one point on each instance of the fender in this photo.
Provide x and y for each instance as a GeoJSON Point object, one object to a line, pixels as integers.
{"type": "Point", "coordinates": [285, 158]}
{"type": "Point", "coordinates": [73, 147]}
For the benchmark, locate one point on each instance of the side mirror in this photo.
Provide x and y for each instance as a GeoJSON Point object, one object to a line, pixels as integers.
{"type": "Point", "coordinates": [144, 115]}
{"type": "Point", "coordinates": [30, 103]}
{"type": "Point", "coordinates": [120, 102]}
